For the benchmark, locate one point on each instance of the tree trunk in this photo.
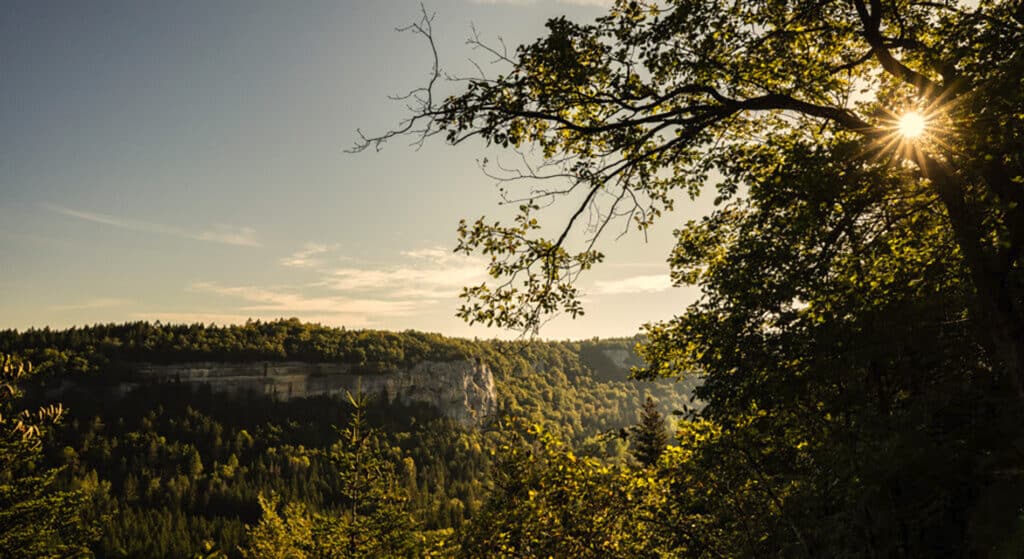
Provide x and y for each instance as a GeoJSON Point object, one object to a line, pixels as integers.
{"type": "Point", "coordinates": [996, 314]}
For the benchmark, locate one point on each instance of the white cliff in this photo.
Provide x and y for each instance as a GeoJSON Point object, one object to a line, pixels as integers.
{"type": "Point", "coordinates": [462, 390]}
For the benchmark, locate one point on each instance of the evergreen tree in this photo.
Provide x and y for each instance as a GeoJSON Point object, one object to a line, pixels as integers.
{"type": "Point", "coordinates": [649, 437]}
{"type": "Point", "coordinates": [375, 521]}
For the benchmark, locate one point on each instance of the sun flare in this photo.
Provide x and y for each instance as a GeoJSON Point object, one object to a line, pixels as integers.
{"type": "Point", "coordinates": [912, 125]}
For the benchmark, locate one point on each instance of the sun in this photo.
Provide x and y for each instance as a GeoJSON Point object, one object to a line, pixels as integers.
{"type": "Point", "coordinates": [911, 125]}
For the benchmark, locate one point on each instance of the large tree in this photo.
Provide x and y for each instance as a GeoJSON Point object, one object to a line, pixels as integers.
{"type": "Point", "coordinates": [658, 98]}
{"type": "Point", "coordinates": [850, 409]}
{"type": "Point", "coordinates": [860, 331]}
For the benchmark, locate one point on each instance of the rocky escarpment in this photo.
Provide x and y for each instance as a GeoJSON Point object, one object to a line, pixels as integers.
{"type": "Point", "coordinates": [462, 390]}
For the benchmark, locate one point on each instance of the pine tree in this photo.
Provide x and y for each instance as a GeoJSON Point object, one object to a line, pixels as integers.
{"type": "Point", "coordinates": [376, 520]}
{"type": "Point", "coordinates": [649, 436]}
{"type": "Point", "coordinates": [195, 465]}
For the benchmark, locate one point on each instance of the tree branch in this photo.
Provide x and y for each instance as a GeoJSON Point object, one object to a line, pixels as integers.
{"type": "Point", "coordinates": [872, 21]}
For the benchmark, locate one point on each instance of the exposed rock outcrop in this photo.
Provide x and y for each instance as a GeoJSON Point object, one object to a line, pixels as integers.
{"type": "Point", "coordinates": [461, 390]}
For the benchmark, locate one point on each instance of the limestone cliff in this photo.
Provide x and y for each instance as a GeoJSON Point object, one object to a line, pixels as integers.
{"type": "Point", "coordinates": [462, 390]}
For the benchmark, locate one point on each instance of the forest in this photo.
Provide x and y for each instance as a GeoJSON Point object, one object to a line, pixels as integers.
{"type": "Point", "coordinates": [855, 353]}
{"type": "Point", "coordinates": [173, 470]}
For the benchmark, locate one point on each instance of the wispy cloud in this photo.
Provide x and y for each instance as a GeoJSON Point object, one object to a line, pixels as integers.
{"type": "Point", "coordinates": [433, 254]}
{"type": "Point", "coordinates": [224, 234]}
{"type": "Point", "coordinates": [284, 300]}
{"type": "Point", "coordinates": [306, 257]}
{"type": "Point", "coordinates": [432, 273]}
{"type": "Point", "coordinates": [91, 304]}
{"type": "Point", "coordinates": [241, 236]}
{"type": "Point", "coordinates": [634, 284]}
{"type": "Point", "coordinates": [352, 295]}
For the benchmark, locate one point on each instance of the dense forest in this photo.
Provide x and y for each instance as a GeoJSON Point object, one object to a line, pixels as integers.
{"type": "Point", "coordinates": [172, 468]}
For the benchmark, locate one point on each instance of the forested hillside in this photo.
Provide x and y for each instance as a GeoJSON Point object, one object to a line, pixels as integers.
{"type": "Point", "coordinates": [849, 182]}
{"type": "Point", "coordinates": [176, 468]}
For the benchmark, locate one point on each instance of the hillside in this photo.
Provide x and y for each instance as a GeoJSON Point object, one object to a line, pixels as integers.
{"type": "Point", "coordinates": [181, 454]}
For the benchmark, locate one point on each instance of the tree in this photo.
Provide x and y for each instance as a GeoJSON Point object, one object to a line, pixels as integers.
{"type": "Point", "coordinates": [375, 521]}
{"type": "Point", "coordinates": [850, 409]}
{"type": "Point", "coordinates": [284, 535]}
{"type": "Point", "coordinates": [662, 97]}
{"type": "Point", "coordinates": [649, 437]}
{"type": "Point", "coordinates": [195, 464]}
{"type": "Point", "coordinates": [36, 519]}
{"type": "Point", "coordinates": [548, 502]}
{"type": "Point", "coordinates": [860, 332]}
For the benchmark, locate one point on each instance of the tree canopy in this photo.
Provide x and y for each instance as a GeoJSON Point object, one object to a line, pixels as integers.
{"type": "Point", "coordinates": [661, 98]}
{"type": "Point", "coordinates": [860, 329]}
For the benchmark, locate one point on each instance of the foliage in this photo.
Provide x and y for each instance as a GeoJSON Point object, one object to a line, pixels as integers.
{"type": "Point", "coordinates": [860, 333]}
{"type": "Point", "coordinates": [649, 437]}
{"type": "Point", "coordinates": [841, 369]}
{"type": "Point", "coordinates": [549, 502]}
{"type": "Point", "coordinates": [89, 348]}
{"type": "Point", "coordinates": [186, 467]}
{"type": "Point", "coordinates": [658, 99]}
{"type": "Point", "coordinates": [285, 535]}
{"type": "Point", "coordinates": [36, 519]}
{"type": "Point", "coordinates": [375, 519]}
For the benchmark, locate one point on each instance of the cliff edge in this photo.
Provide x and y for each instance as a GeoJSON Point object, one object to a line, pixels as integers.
{"type": "Point", "coordinates": [462, 390]}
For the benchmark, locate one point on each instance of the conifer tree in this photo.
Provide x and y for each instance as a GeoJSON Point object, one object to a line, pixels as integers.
{"type": "Point", "coordinates": [376, 520]}
{"type": "Point", "coordinates": [649, 437]}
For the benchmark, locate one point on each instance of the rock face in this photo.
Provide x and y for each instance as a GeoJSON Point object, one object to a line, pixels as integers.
{"type": "Point", "coordinates": [461, 390]}
{"type": "Point", "coordinates": [623, 358]}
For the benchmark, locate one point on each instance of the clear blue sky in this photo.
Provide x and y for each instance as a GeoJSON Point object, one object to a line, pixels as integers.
{"type": "Point", "coordinates": [183, 161]}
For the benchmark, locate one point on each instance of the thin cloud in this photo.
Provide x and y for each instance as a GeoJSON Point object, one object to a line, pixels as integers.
{"type": "Point", "coordinates": [634, 284]}
{"type": "Point", "coordinates": [224, 234]}
{"type": "Point", "coordinates": [434, 273]}
{"type": "Point", "coordinates": [438, 255]}
{"type": "Point", "coordinates": [92, 304]}
{"type": "Point", "coordinates": [427, 273]}
{"type": "Point", "coordinates": [306, 257]}
{"type": "Point", "coordinates": [282, 300]}
{"type": "Point", "coordinates": [351, 295]}
{"type": "Point", "coordinates": [358, 279]}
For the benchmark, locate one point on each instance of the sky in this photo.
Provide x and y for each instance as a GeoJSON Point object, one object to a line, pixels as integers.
{"type": "Point", "coordinates": [185, 162]}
